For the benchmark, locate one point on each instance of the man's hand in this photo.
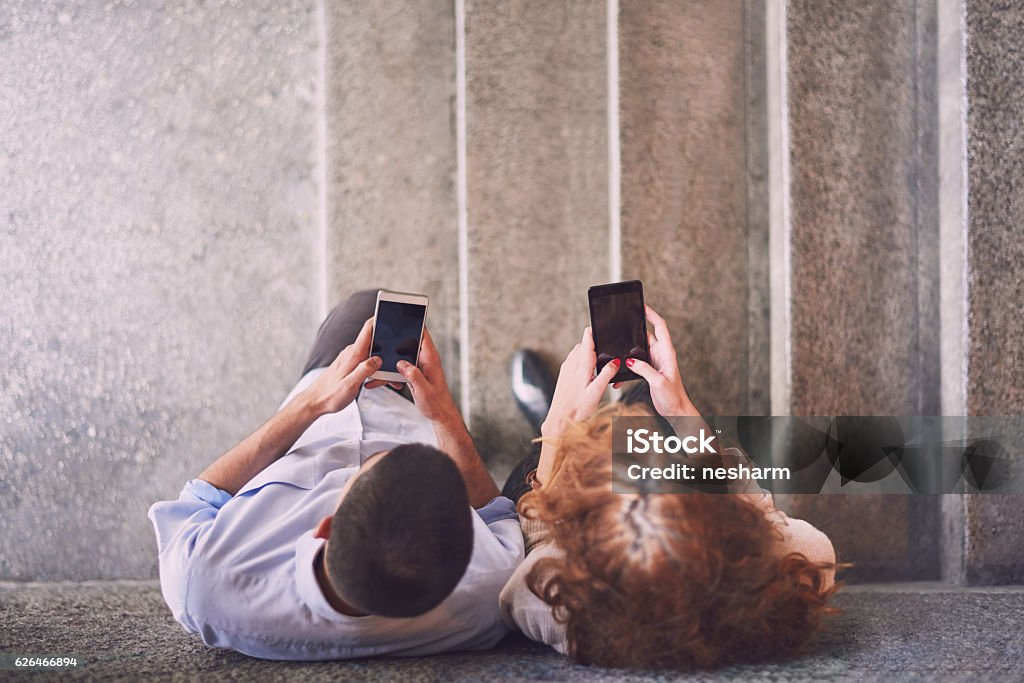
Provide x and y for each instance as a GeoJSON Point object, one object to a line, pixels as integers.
{"type": "Point", "coordinates": [432, 396]}
{"type": "Point", "coordinates": [340, 382]}
{"type": "Point", "coordinates": [577, 391]}
{"type": "Point", "coordinates": [428, 385]}
{"type": "Point", "coordinates": [662, 374]}
{"type": "Point", "coordinates": [334, 389]}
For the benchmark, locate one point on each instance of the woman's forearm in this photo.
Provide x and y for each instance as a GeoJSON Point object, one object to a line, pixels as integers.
{"type": "Point", "coordinates": [546, 462]}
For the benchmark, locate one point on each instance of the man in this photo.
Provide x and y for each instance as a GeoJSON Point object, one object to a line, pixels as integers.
{"type": "Point", "coordinates": [353, 523]}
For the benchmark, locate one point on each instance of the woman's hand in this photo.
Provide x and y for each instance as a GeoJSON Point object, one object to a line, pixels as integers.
{"type": "Point", "coordinates": [577, 395]}
{"type": "Point", "coordinates": [577, 391]}
{"type": "Point", "coordinates": [662, 374]}
{"type": "Point", "coordinates": [340, 382]}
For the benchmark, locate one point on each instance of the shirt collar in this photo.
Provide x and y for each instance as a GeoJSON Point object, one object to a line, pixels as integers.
{"type": "Point", "coordinates": [306, 550]}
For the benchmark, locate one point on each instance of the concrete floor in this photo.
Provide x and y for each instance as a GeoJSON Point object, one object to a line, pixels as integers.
{"type": "Point", "coordinates": [122, 630]}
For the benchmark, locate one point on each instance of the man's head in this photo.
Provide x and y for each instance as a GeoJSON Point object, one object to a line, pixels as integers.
{"type": "Point", "coordinates": [402, 536]}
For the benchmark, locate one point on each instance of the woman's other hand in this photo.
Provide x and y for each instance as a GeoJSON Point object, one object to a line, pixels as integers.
{"type": "Point", "coordinates": [662, 373]}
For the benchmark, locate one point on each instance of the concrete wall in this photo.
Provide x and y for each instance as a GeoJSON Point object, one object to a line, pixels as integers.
{"type": "Point", "coordinates": [156, 222]}
{"type": "Point", "coordinates": [188, 189]}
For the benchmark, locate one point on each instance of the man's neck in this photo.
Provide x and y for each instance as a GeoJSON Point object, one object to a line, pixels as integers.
{"type": "Point", "coordinates": [333, 599]}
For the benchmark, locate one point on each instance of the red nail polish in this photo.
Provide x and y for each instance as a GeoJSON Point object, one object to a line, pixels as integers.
{"type": "Point", "coordinates": [616, 362]}
{"type": "Point", "coordinates": [629, 362]}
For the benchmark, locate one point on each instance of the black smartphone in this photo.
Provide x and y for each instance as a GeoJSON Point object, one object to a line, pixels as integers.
{"type": "Point", "coordinates": [619, 324]}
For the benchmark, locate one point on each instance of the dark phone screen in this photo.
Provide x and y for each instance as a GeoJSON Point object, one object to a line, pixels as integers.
{"type": "Point", "coordinates": [396, 333]}
{"type": "Point", "coordinates": [620, 328]}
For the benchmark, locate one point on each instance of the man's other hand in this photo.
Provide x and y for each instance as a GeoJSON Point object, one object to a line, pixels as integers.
{"type": "Point", "coordinates": [434, 400]}
{"type": "Point", "coordinates": [339, 384]}
{"type": "Point", "coordinates": [428, 385]}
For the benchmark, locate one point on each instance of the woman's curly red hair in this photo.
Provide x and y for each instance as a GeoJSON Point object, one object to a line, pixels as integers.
{"type": "Point", "coordinates": [665, 580]}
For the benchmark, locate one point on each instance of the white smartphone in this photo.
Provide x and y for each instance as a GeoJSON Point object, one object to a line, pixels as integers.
{"type": "Point", "coordinates": [397, 331]}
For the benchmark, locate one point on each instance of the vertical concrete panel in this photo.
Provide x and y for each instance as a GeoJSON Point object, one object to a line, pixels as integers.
{"type": "Point", "coordinates": [155, 223]}
{"type": "Point", "coordinates": [862, 314]}
{"type": "Point", "coordinates": [995, 151]}
{"type": "Point", "coordinates": [684, 191]}
{"type": "Point", "coordinates": [391, 157]}
{"type": "Point", "coordinates": [536, 194]}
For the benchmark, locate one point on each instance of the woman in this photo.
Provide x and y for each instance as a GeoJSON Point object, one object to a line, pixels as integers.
{"type": "Point", "coordinates": [660, 580]}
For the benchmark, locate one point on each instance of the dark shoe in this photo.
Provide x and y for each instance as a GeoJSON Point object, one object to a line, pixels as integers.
{"type": "Point", "coordinates": [532, 385]}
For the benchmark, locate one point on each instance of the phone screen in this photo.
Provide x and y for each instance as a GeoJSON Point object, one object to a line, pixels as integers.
{"type": "Point", "coordinates": [396, 333]}
{"type": "Point", "coordinates": [619, 325]}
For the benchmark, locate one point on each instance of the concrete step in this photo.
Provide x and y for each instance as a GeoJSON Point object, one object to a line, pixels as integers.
{"type": "Point", "coordinates": [123, 630]}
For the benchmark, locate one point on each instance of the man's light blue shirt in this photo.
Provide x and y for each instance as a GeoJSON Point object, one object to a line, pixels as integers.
{"type": "Point", "coordinates": [239, 570]}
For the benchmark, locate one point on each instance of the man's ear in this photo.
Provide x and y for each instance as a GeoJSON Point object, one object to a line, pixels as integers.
{"type": "Point", "coordinates": [323, 529]}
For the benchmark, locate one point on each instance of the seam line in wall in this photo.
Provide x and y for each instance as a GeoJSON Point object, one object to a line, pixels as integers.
{"type": "Point", "coordinates": [614, 149]}
{"type": "Point", "coordinates": [320, 237]}
{"type": "Point", "coordinates": [953, 281]}
{"type": "Point", "coordinates": [965, 336]}
{"type": "Point", "coordinates": [462, 208]}
{"type": "Point", "coordinates": [779, 232]}
{"type": "Point", "coordinates": [953, 237]}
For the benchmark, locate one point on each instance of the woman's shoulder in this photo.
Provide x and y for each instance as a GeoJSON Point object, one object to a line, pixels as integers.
{"type": "Point", "coordinates": [802, 537]}
{"type": "Point", "coordinates": [521, 609]}
{"type": "Point", "coordinates": [516, 590]}
{"type": "Point", "coordinates": [535, 533]}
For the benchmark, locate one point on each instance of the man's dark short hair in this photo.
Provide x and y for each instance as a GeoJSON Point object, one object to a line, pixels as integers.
{"type": "Point", "coordinates": [402, 536]}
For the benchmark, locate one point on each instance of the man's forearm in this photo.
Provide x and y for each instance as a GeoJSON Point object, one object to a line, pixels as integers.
{"type": "Point", "coordinates": [232, 470]}
{"type": "Point", "coordinates": [453, 438]}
